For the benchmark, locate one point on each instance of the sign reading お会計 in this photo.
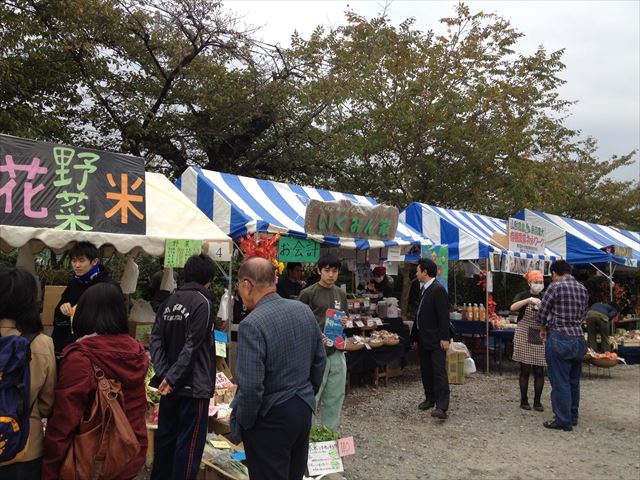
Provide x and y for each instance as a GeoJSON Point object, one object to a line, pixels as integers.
{"type": "Point", "coordinates": [298, 250]}
{"type": "Point", "coordinates": [48, 185]}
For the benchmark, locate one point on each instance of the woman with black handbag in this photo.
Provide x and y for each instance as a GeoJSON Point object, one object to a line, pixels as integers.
{"type": "Point", "coordinates": [100, 401]}
{"type": "Point", "coordinates": [528, 348]}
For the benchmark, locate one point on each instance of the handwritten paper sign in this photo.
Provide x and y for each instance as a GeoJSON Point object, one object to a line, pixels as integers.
{"type": "Point", "coordinates": [378, 321]}
{"type": "Point", "coordinates": [359, 323]}
{"type": "Point", "coordinates": [349, 324]}
{"type": "Point", "coordinates": [324, 458]}
{"type": "Point", "coordinates": [346, 446]}
{"type": "Point", "coordinates": [394, 254]}
{"type": "Point", "coordinates": [220, 444]}
{"type": "Point", "coordinates": [298, 250]}
{"type": "Point", "coordinates": [177, 252]}
{"type": "Point", "coordinates": [221, 349]}
{"type": "Point", "coordinates": [371, 322]}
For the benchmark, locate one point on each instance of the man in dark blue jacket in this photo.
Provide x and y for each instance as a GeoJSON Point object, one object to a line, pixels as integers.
{"type": "Point", "coordinates": [181, 347]}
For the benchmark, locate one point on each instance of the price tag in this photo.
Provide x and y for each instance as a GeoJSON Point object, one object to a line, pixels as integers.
{"type": "Point", "coordinates": [221, 349]}
{"type": "Point", "coordinates": [349, 324]}
{"type": "Point", "coordinates": [371, 322]}
{"type": "Point", "coordinates": [219, 251]}
{"type": "Point", "coordinates": [378, 322]}
{"type": "Point", "coordinates": [346, 446]}
{"type": "Point", "coordinates": [359, 323]}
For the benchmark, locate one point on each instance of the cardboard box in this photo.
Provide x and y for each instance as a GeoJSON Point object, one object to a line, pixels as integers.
{"type": "Point", "coordinates": [141, 332]}
{"type": "Point", "coordinates": [52, 295]}
{"type": "Point", "coordinates": [225, 395]}
{"type": "Point", "coordinates": [455, 367]}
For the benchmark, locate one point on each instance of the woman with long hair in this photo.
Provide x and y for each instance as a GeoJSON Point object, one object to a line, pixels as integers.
{"type": "Point", "coordinates": [20, 315]}
{"type": "Point", "coordinates": [100, 322]}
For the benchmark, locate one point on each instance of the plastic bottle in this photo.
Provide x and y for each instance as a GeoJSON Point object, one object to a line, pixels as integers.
{"type": "Point", "coordinates": [464, 311]}
{"type": "Point", "coordinates": [476, 312]}
{"type": "Point", "coordinates": [482, 313]}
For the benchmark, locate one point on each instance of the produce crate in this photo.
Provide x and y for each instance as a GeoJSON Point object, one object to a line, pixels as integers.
{"type": "Point", "coordinates": [225, 395]}
{"type": "Point", "coordinates": [455, 367]}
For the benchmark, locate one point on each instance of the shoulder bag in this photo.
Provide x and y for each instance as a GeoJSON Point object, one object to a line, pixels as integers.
{"type": "Point", "coordinates": [105, 443]}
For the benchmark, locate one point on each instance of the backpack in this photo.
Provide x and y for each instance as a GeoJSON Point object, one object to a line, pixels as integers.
{"type": "Point", "coordinates": [15, 387]}
{"type": "Point", "coordinates": [104, 444]}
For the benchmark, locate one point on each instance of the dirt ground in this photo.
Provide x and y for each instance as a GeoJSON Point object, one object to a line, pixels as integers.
{"type": "Point", "coordinates": [488, 436]}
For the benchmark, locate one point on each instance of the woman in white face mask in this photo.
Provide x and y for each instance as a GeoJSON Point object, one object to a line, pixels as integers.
{"type": "Point", "coordinates": [528, 348]}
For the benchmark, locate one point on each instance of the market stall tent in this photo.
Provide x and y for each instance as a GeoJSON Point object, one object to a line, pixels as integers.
{"type": "Point", "coordinates": [170, 215]}
{"type": "Point", "coordinates": [468, 235]}
{"type": "Point", "coordinates": [241, 205]}
{"type": "Point", "coordinates": [582, 242]}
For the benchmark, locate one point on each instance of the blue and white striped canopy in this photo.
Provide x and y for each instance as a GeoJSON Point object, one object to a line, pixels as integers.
{"type": "Point", "coordinates": [241, 204]}
{"type": "Point", "coordinates": [582, 242]}
{"type": "Point", "coordinates": [467, 234]}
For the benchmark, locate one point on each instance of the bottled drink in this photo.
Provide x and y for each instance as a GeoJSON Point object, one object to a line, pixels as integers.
{"type": "Point", "coordinates": [482, 313]}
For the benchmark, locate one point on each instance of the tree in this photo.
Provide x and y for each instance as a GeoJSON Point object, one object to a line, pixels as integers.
{"type": "Point", "coordinates": [174, 81]}
{"type": "Point", "coordinates": [454, 119]}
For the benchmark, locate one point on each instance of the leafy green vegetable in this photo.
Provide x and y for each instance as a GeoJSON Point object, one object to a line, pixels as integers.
{"type": "Point", "coordinates": [322, 433]}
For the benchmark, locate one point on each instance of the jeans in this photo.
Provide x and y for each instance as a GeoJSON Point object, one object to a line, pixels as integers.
{"type": "Point", "coordinates": [330, 396]}
{"type": "Point", "coordinates": [564, 355]}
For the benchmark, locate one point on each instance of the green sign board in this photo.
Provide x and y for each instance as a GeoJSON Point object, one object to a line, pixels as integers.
{"type": "Point", "coordinates": [298, 250]}
{"type": "Point", "coordinates": [177, 252]}
{"type": "Point", "coordinates": [440, 255]}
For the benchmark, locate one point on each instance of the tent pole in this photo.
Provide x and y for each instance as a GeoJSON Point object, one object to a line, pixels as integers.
{"type": "Point", "coordinates": [486, 323]}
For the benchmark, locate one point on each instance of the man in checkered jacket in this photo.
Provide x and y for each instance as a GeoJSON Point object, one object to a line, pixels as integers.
{"type": "Point", "coordinates": [561, 312]}
{"type": "Point", "coordinates": [281, 361]}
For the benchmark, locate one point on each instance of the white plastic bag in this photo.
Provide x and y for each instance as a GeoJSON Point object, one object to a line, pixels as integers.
{"type": "Point", "coordinates": [141, 312]}
{"type": "Point", "coordinates": [168, 282]}
{"type": "Point", "coordinates": [469, 366]}
{"type": "Point", "coordinates": [129, 277]}
{"type": "Point", "coordinates": [225, 302]}
{"type": "Point", "coordinates": [459, 347]}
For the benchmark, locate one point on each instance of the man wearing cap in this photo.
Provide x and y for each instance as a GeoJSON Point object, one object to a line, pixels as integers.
{"type": "Point", "coordinates": [381, 282]}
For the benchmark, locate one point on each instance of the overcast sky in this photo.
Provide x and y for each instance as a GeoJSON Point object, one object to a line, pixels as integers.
{"type": "Point", "coordinates": [601, 42]}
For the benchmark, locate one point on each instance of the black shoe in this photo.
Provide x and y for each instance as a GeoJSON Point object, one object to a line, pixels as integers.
{"type": "Point", "coordinates": [525, 406]}
{"type": "Point", "coordinates": [574, 423]}
{"type": "Point", "coordinates": [426, 405]}
{"type": "Point", "coordinates": [439, 413]}
{"type": "Point", "coordinates": [538, 407]}
{"type": "Point", "coordinates": [554, 426]}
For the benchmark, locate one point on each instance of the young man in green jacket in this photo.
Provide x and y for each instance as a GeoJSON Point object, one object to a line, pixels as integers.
{"type": "Point", "coordinates": [320, 297]}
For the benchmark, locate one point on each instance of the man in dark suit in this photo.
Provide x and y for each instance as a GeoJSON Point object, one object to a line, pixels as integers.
{"type": "Point", "coordinates": [281, 361]}
{"type": "Point", "coordinates": [431, 332]}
